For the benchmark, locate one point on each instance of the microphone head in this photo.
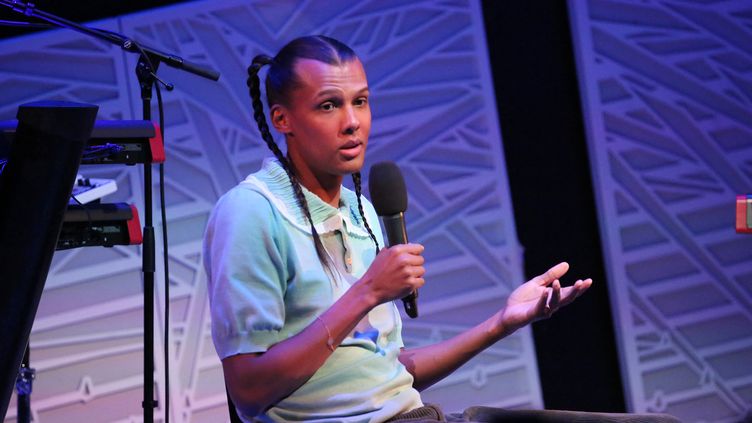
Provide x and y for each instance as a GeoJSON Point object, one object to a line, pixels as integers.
{"type": "Point", "coordinates": [387, 187]}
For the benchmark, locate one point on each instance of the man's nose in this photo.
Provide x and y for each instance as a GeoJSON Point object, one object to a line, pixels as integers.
{"type": "Point", "coordinates": [350, 122]}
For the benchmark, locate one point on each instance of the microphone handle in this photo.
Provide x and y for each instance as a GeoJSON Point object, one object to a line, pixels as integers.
{"type": "Point", "coordinates": [396, 233]}
{"type": "Point", "coordinates": [394, 224]}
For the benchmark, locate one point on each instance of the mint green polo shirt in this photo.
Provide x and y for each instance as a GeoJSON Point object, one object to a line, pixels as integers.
{"type": "Point", "coordinates": [266, 284]}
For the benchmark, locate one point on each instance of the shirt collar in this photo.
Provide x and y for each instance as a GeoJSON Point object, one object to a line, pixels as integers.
{"type": "Point", "coordinates": [272, 182]}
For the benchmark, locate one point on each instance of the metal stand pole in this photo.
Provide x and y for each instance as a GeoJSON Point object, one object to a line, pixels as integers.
{"type": "Point", "coordinates": [23, 389]}
{"type": "Point", "coordinates": [146, 77]}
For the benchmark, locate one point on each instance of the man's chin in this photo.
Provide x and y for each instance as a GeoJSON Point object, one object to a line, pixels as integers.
{"type": "Point", "coordinates": [352, 166]}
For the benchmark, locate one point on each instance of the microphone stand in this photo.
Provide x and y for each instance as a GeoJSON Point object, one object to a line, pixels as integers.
{"type": "Point", "coordinates": [148, 62]}
{"type": "Point", "coordinates": [146, 78]}
{"type": "Point", "coordinates": [123, 42]}
{"type": "Point", "coordinates": [24, 383]}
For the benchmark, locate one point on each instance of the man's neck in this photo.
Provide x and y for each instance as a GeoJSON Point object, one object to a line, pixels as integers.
{"type": "Point", "coordinates": [327, 188]}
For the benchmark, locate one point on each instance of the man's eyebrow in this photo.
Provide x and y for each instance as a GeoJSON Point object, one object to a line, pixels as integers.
{"type": "Point", "coordinates": [333, 91]}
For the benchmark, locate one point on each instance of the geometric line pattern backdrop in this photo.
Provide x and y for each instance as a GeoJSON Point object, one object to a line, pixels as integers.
{"type": "Point", "coordinates": [667, 100]}
{"type": "Point", "coordinates": [434, 113]}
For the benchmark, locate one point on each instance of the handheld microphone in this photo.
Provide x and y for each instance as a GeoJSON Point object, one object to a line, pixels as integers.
{"type": "Point", "coordinates": [389, 198]}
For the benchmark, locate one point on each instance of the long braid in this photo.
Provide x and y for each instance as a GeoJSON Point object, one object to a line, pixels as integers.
{"type": "Point", "coordinates": [254, 84]}
{"type": "Point", "coordinates": [356, 182]}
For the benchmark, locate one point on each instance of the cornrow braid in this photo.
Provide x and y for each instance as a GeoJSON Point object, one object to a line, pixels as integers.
{"type": "Point", "coordinates": [356, 182]}
{"type": "Point", "coordinates": [254, 84]}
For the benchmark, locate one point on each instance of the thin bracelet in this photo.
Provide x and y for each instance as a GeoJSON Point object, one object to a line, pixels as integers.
{"type": "Point", "coordinates": [330, 341]}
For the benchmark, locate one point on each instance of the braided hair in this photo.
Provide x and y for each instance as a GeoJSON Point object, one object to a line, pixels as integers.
{"type": "Point", "coordinates": [280, 82]}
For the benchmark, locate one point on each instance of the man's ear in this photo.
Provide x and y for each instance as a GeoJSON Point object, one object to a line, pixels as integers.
{"type": "Point", "coordinates": [279, 118]}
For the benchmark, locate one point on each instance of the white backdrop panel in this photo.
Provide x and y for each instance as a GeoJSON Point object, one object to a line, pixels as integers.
{"type": "Point", "coordinates": [667, 100]}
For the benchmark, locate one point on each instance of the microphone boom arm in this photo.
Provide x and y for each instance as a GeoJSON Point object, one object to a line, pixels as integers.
{"type": "Point", "coordinates": [125, 43]}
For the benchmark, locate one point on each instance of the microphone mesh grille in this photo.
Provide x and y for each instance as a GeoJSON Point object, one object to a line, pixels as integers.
{"type": "Point", "coordinates": [387, 187]}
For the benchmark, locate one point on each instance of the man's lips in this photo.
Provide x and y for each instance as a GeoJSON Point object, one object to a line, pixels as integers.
{"type": "Point", "coordinates": [351, 149]}
{"type": "Point", "coordinates": [351, 144]}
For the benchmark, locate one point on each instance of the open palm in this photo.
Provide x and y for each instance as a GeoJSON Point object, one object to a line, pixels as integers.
{"type": "Point", "coordinates": [540, 297]}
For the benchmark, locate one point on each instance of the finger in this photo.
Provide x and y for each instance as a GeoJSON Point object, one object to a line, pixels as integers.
{"type": "Point", "coordinates": [412, 260]}
{"type": "Point", "coordinates": [411, 248]}
{"type": "Point", "coordinates": [555, 297]}
{"type": "Point", "coordinates": [408, 272]}
{"type": "Point", "coordinates": [418, 271]}
{"type": "Point", "coordinates": [415, 283]}
{"type": "Point", "coordinates": [540, 307]}
{"type": "Point", "coordinates": [583, 286]}
{"type": "Point", "coordinates": [553, 273]}
{"type": "Point", "coordinates": [419, 282]}
{"type": "Point", "coordinates": [398, 249]}
{"type": "Point", "coordinates": [570, 293]}
{"type": "Point", "coordinates": [587, 283]}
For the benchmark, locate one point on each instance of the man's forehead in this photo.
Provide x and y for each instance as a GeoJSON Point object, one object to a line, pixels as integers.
{"type": "Point", "coordinates": [317, 73]}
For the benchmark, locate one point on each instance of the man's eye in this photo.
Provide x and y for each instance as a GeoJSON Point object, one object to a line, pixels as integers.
{"type": "Point", "coordinates": [361, 101]}
{"type": "Point", "coordinates": [328, 106]}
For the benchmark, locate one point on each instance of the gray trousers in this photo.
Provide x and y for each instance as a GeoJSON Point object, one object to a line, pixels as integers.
{"type": "Point", "coordinates": [432, 413]}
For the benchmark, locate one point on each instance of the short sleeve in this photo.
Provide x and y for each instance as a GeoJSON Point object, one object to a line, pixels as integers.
{"type": "Point", "coordinates": [245, 262]}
